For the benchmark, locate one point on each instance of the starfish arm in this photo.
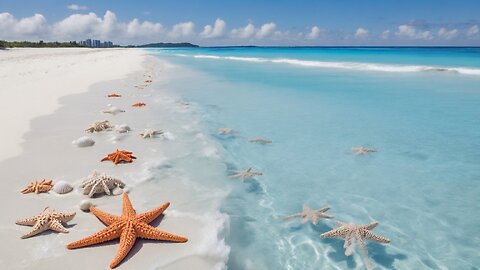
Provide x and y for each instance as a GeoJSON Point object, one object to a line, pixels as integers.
{"type": "Point", "coordinates": [57, 226]}
{"type": "Point", "coordinates": [364, 251]}
{"type": "Point", "coordinates": [315, 219]}
{"type": "Point", "coordinates": [36, 229]}
{"type": "Point", "coordinates": [326, 216]}
{"type": "Point", "coordinates": [105, 187]}
{"type": "Point", "coordinates": [333, 233]}
{"type": "Point", "coordinates": [152, 215]}
{"type": "Point", "coordinates": [377, 238]}
{"type": "Point", "coordinates": [323, 209]}
{"type": "Point", "coordinates": [349, 245]}
{"type": "Point", "coordinates": [104, 217]}
{"type": "Point", "coordinates": [148, 232]}
{"type": "Point", "coordinates": [127, 240]}
{"type": "Point", "coordinates": [27, 221]}
{"type": "Point", "coordinates": [87, 189]}
{"type": "Point", "coordinates": [127, 209]}
{"type": "Point", "coordinates": [93, 190]}
{"type": "Point", "coordinates": [292, 216]}
{"type": "Point", "coordinates": [26, 190]}
{"type": "Point", "coordinates": [370, 226]}
{"type": "Point", "coordinates": [107, 234]}
{"type": "Point", "coordinates": [65, 217]}
{"type": "Point", "coordinates": [105, 158]}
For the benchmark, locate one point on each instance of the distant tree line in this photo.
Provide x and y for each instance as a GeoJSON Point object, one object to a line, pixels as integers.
{"type": "Point", "coordinates": [40, 44]}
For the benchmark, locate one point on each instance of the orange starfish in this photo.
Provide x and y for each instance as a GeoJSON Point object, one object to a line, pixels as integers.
{"type": "Point", "coordinates": [38, 187]}
{"type": "Point", "coordinates": [138, 104]}
{"type": "Point", "coordinates": [148, 81]}
{"type": "Point", "coordinates": [120, 156]}
{"type": "Point", "coordinates": [128, 227]}
{"type": "Point", "coordinates": [114, 95]}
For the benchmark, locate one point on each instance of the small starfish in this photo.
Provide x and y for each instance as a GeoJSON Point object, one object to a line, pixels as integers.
{"type": "Point", "coordinates": [245, 174]}
{"type": "Point", "coordinates": [310, 215]}
{"type": "Point", "coordinates": [352, 233]}
{"type": "Point", "coordinates": [99, 126]}
{"type": "Point", "coordinates": [114, 95]}
{"type": "Point", "coordinates": [225, 131]}
{"type": "Point", "coordinates": [120, 156]}
{"type": "Point", "coordinates": [38, 187]}
{"type": "Point", "coordinates": [128, 227]}
{"type": "Point", "coordinates": [150, 133]}
{"type": "Point", "coordinates": [47, 220]}
{"type": "Point", "coordinates": [362, 150]}
{"type": "Point", "coordinates": [148, 81]}
{"type": "Point", "coordinates": [138, 104]}
{"type": "Point", "coordinates": [113, 110]}
{"type": "Point", "coordinates": [100, 183]}
{"type": "Point", "coordinates": [260, 140]}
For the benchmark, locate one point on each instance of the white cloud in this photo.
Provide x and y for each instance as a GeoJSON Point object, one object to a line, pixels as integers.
{"type": "Point", "coordinates": [137, 29]}
{"type": "Point", "coordinates": [408, 31]}
{"type": "Point", "coordinates": [30, 27]}
{"type": "Point", "coordinates": [266, 30]}
{"type": "Point", "coordinates": [447, 34]}
{"type": "Point", "coordinates": [361, 33]}
{"type": "Point", "coordinates": [182, 30]}
{"type": "Point", "coordinates": [314, 32]}
{"type": "Point", "coordinates": [472, 31]}
{"type": "Point", "coordinates": [385, 34]}
{"type": "Point", "coordinates": [215, 31]}
{"type": "Point", "coordinates": [77, 7]}
{"type": "Point", "coordinates": [244, 32]}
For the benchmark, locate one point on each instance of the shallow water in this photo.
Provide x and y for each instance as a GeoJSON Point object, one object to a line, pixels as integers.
{"type": "Point", "coordinates": [422, 185]}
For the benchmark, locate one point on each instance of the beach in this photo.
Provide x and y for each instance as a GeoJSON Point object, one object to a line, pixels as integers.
{"type": "Point", "coordinates": [54, 95]}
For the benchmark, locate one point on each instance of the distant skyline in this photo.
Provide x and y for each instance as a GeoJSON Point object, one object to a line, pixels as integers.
{"type": "Point", "coordinates": [248, 22]}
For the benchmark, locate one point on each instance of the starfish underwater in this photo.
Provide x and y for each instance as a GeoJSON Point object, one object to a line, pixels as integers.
{"type": "Point", "coordinates": [225, 131]}
{"type": "Point", "coordinates": [308, 214]}
{"type": "Point", "coordinates": [150, 133]}
{"type": "Point", "coordinates": [99, 126]}
{"type": "Point", "coordinates": [260, 140]}
{"type": "Point", "coordinates": [352, 233]}
{"type": "Point", "coordinates": [38, 187]}
{"type": "Point", "coordinates": [100, 183]}
{"type": "Point", "coordinates": [128, 227]}
{"type": "Point", "coordinates": [363, 150]}
{"type": "Point", "coordinates": [245, 174]}
{"type": "Point", "coordinates": [138, 104]}
{"type": "Point", "coordinates": [49, 219]}
{"type": "Point", "coordinates": [120, 156]}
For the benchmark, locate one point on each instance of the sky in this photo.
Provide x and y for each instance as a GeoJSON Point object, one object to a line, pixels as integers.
{"type": "Point", "coordinates": [246, 22]}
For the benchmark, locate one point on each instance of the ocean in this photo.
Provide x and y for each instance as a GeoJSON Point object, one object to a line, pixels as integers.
{"type": "Point", "coordinates": [418, 107]}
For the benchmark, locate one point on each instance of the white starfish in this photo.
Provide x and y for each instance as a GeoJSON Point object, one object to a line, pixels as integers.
{"type": "Point", "coordinates": [310, 215]}
{"type": "Point", "coordinates": [99, 126]}
{"type": "Point", "coordinates": [355, 233]}
{"type": "Point", "coordinates": [260, 140]}
{"type": "Point", "coordinates": [49, 219]}
{"type": "Point", "coordinates": [113, 110]}
{"type": "Point", "coordinates": [363, 150]}
{"type": "Point", "coordinates": [245, 174]}
{"type": "Point", "coordinates": [225, 131]}
{"type": "Point", "coordinates": [151, 133]}
{"type": "Point", "coordinates": [100, 183]}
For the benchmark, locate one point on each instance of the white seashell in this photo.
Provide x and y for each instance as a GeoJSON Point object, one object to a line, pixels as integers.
{"type": "Point", "coordinates": [113, 110]}
{"type": "Point", "coordinates": [123, 128]}
{"type": "Point", "coordinates": [85, 205]}
{"type": "Point", "coordinates": [84, 141]}
{"type": "Point", "coordinates": [117, 191]}
{"type": "Point", "coordinates": [62, 187]}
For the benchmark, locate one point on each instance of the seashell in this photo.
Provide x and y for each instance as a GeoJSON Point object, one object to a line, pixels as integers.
{"type": "Point", "coordinates": [123, 128]}
{"type": "Point", "coordinates": [83, 141]}
{"type": "Point", "coordinates": [113, 110]}
{"type": "Point", "coordinates": [117, 191]}
{"type": "Point", "coordinates": [62, 187]}
{"type": "Point", "coordinates": [85, 205]}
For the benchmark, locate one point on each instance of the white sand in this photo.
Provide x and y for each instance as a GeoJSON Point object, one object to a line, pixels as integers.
{"type": "Point", "coordinates": [32, 81]}
{"type": "Point", "coordinates": [166, 170]}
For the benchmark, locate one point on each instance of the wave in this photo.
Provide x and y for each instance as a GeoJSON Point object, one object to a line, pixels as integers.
{"type": "Point", "coordinates": [345, 65]}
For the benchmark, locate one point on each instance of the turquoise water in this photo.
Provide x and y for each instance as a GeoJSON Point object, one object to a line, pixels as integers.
{"type": "Point", "coordinates": [420, 108]}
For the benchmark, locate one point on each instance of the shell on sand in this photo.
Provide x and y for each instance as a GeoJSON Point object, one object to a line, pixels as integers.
{"type": "Point", "coordinates": [117, 191]}
{"type": "Point", "coordinates": [85, 205]}
{"type": "Point", "coordinates": [113, 110]}
{"type": "Point", "coordinates": [62, 187]}
{"type": "Point", "coordinates": [83, 141]}
{"type": "Point", "coordinates": [123, 128]}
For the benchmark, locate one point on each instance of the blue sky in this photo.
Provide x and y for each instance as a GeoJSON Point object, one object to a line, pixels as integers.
{"type": "Point", "coordinates": [247, 22]}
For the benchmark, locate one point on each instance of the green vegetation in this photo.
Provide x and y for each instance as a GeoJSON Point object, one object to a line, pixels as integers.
{"type": "Point", "coordinates": [40, 44]}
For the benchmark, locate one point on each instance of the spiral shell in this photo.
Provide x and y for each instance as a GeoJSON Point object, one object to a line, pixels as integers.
{"type": "Point", "coordinates": [84, 141]}
{"type": "Point", "coordinates": [62, 187]}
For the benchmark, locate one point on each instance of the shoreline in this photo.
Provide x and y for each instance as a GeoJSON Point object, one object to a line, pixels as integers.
{"type": "Point", "coordinates": [151, 180]}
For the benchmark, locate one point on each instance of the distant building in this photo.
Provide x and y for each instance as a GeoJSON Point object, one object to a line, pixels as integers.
{"type": "Point", "coordinates": [95, 43]}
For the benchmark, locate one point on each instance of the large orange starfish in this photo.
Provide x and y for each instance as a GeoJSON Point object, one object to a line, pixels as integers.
{"type": "Point", "coordinates": [128, 227]}
{"type": "Point", "coordinates": [38, 187]}
{"type": "Point", "coordinates": [120, 156]}
{"type": "Point", "coordinates": [138, 104]}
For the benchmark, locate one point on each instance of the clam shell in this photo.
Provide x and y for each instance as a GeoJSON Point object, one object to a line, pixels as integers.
{"type": "Point", "coordinates": [85, 205]}
{"type": "Point", "coordinates": [62, 187]}
{"type": "Point", "coordinates": [84, 141]}
{"type": "Point", "coordinates": [123, 128]}
{"type": "Point", "coordinates": [117, 191]}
